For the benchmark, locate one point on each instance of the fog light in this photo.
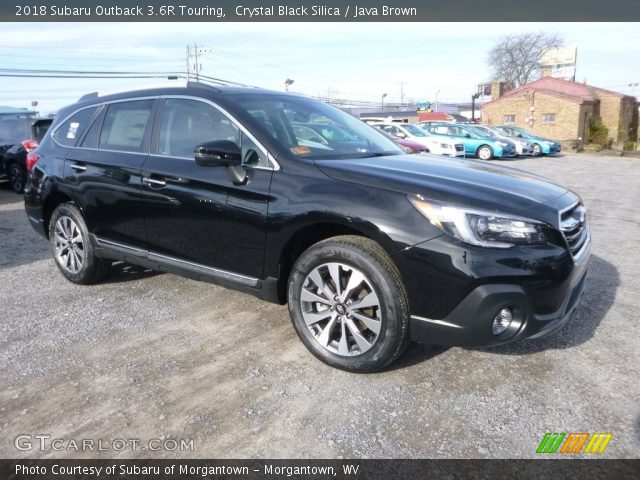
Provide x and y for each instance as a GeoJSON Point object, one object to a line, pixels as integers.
{"type": "Point", "coordinates": [501, 321]}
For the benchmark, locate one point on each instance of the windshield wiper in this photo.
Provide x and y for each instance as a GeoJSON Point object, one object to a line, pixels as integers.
{"type": "Point", "coordinates": [379, 154]}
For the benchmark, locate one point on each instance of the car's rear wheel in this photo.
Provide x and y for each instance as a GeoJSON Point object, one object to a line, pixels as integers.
{"type": "Point", "coordinates": [17, 178]}
{"type": "Point", "coordinates": [485, 152]}
{"type": "Point", "coordinates": [348, 304]}
{"type": "Point", "coordinates": [72, 249]}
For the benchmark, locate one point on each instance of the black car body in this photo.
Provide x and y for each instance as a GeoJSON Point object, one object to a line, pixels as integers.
{"type": "Point", "coordinates": [25, 134]}
{"type": "Point", "coordinates": [263, 215]}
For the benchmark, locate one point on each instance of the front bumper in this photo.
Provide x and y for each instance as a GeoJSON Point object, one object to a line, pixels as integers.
{"type": "Point", "coordinates": [461, 290]}
{"type": "Point", "coordinates": [524, 149]}
{"type": "Point", "coordinates": [508, 152]}
{"type": "Point", "coordinates": [469, 324]}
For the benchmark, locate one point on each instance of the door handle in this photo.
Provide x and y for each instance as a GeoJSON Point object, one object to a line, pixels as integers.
{"type": "Point", "coordinates": [153, 182]}
{"type": "Point", "coordinates": [78, 167]}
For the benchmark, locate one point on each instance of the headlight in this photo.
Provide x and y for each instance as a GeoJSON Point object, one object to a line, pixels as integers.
{"type": "Point", "coordinates": [501, 144]}
{"type": "Point", "coordinates": [477, 227]}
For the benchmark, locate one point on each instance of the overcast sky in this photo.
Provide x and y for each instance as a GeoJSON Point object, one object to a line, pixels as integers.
{"type": "Point", "coordinates": [354, 61]}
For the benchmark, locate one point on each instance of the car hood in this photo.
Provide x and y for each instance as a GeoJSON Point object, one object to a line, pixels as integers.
{"type": "Point", "coordinates": [457, 181]}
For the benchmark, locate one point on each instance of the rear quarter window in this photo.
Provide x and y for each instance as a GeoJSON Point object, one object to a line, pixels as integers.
{"type": "Point", "coordinates": [72, 129]}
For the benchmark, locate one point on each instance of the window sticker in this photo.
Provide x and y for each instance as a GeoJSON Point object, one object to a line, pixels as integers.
{"type": "Point", "coordinates": [301, 150]}
{"type": "Point", "coordinates": [73, 128]}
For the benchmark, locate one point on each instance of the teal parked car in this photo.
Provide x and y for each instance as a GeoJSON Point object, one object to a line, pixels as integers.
{"type": "Point", "coordinates": [541, 145]}
{"type": "Point", "coordinates": [476, 142]}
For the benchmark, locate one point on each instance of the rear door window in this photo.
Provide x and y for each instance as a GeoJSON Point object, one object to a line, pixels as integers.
{"type": "Point", "coordinates": [125, 126]}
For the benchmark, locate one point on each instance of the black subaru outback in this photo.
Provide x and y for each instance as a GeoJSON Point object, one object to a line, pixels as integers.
{"type": "Point", "coordinates": [369, 247]}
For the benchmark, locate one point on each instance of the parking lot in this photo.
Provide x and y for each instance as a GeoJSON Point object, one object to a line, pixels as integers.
{"type": "Point", "coordinates": [155, 356]}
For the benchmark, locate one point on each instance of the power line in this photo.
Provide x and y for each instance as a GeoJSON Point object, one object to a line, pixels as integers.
{"type": "Point", "coordinates": [83, 72]}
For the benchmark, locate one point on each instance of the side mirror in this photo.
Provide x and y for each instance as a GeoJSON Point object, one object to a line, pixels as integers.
{"type": "Point", "coordinates": [401, 135]}
{"type": "Point", "coordinates": [520, 135]}
{"type": "Point", "coordinates": [218, 153]}
{"type": "Point", "coordinates": [468, 135]}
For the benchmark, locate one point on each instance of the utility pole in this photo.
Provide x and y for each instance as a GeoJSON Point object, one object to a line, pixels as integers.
{"type": "Point", "coordinates": [188, 65]}
{"type": "Point", "coordinates": [402, 93]}
{"type": "Point", "coordinates": [196, 54]}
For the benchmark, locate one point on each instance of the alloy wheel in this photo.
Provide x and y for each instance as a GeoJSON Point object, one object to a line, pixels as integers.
{"type": "Point", "coordinates": [15, 178]}
{"type": "Point", "coordinates": [69, 245]}
{"type": "Point", "coordinates": [341, 309]}
{"type": "Point", "coordinates": [484, 153]}
{"type": "Point", "coordinates": [536, 150]}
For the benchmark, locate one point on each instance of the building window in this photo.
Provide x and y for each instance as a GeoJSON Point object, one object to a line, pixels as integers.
{"type": "Point", "coordinates": [509, 119]}
{"type": "Point", "coordinates": [548, 117]}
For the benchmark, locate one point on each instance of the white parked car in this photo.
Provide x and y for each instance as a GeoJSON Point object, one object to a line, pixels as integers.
{"type": "Point", "coordinates": [436, 144]}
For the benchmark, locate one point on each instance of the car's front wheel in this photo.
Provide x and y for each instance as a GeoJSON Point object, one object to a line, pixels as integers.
{"type": "Point", "coordinates": [537, 150]}
{"type": "Point", "coordinates": [348, 304]}
{"type": "Point", "coordinates": [72, 250]}
{"type": "Point", "coordinates": [17, 178]}
{"type": "Point", "coordinates": [485, 152]}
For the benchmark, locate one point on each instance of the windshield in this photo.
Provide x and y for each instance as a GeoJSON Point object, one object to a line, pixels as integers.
{"type": "Point", "coordinates": [415, 131]}
{"type": "Point", "coordinates": [312, 129]}
{"type": "Point", "coordinates": [487, 132]}
{"type": "Point", "coordinates": [521, 130]}
{"type": "Point", "coordinates": [479, 132]}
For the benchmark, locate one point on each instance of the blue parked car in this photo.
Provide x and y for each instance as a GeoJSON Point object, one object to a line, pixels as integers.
{"type": "Point", "coordinates": [476, 142]}
{"type": "Point", "coordinates": [541, 146]}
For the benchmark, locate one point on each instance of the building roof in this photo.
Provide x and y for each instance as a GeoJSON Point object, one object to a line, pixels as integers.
{"type": "Point", "coordinates": [10, 111]}
{"type": "Point", "coordinates": [574, 91]}
{"type": "Point", "coordinates": [435, 116]}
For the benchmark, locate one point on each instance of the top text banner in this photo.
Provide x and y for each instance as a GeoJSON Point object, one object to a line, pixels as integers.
{"type": "Point", "coordinates": [320, 11]}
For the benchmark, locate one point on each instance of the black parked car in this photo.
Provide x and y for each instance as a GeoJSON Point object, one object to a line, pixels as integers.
{"type": "Point", "coordinates": [19, 137]}
{"type": "Point", "coordinates": [368, 246]}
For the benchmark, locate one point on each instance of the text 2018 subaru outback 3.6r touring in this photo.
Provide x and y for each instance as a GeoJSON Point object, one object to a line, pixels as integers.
{"type": "Point", "coordinates": [368, 247]}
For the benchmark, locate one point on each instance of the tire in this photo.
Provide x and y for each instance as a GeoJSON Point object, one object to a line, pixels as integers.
{"type": "Point", "coordinates": [17, 177]}
{"type": "Point", "coordinates": [485, 152]}
{"type": "Point", "coordinates": [537, 150]}
{"type": "Point", "coordinates": [337, 332]}
{"type": "Point", "coordinates": [72, 250]}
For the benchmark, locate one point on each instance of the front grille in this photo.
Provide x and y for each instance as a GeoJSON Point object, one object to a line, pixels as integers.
{"type": "Point", "coordinates": [459, 147]}
{"type": "Point", "coordinates": [574, 228]}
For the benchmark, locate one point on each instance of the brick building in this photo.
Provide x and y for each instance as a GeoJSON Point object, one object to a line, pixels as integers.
{"type": "Point", "coordinates": [560, 109]}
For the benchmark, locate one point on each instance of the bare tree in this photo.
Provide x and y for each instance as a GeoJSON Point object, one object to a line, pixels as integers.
{"type": "Point", "coordinates": [515, 59]}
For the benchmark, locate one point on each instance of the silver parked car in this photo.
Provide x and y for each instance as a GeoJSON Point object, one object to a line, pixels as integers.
{"type": "Point", "coordinates": [523, 147]}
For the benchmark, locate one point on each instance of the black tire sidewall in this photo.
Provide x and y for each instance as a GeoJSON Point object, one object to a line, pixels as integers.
{"type": "Point", "coordinates": [91, 263]}
{"type": "Point", "coordinates": [394, 316]}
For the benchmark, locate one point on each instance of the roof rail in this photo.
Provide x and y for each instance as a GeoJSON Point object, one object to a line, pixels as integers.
{"type": "Point", "coordinates": [210, 83]}
{"type": "Point", "coordinates": [88, 96]}
{"type": "Point", "coordinates": [209, 86]}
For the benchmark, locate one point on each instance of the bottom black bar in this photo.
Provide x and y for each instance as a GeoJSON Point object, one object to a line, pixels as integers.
{"type": "Point", "coordinates": [318, 469]}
